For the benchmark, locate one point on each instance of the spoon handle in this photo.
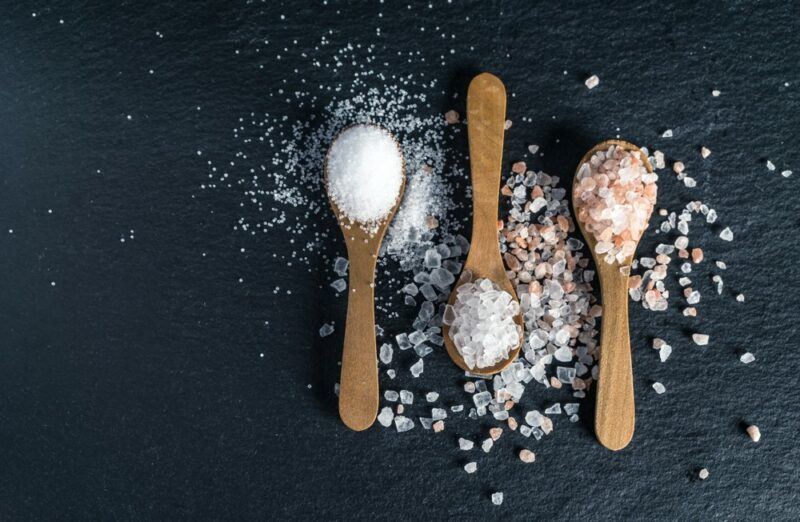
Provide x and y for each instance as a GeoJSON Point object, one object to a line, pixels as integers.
{"type": "Point", "coordinates": [358, 389]}
{"type": "Point", "coordinates": [615, 416]}
{"type": "Point", "coordinates": [486, 119]}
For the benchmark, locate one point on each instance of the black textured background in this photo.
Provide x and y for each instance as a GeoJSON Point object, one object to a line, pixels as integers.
{"type": "Point", "coordinates": [133, 389]}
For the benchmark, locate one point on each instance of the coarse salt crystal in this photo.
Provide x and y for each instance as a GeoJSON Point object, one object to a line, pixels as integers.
{"type": "Point", "coordinates": [703, 474]}
{"type": "Point", "coordinates": [592, 81]}
{"type": "Point", "coordinates": [770, 165]}
{"type": "Point", "coordinates": [705, 152]}
{"type": "Point", "coordinates": [527, 456]}
{"type": "Point", "coordinates": [659, 388]}
{"type": "Point", "coordinates": [465, 444]}
{"type": "Point", "coordinates": [497, 498]}
{"type": "Point", "coordinates": [786, 173]}
{"type": "Point", "coordinates": [726, 234]}
{"type": "Point", "coordinates": [754, 433]}
{"type": "Point", "coordinates": [747, 358]}
{"type": "Point", "coordinates": [700, 339]}
{"type": "Point", "coordinates": [667, 133]}
{"type": "Point", "coordinates": [385, 417]}
{"type": "Point", "coordinates": [471, 467]}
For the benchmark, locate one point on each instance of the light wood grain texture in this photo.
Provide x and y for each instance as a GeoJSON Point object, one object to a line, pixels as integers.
{"type": "Point", "coordinates": [358, 385]}
{"type": "Point", "coordinates": [615, 414]}
{"type": "Point", "coordinates": [486, 118]}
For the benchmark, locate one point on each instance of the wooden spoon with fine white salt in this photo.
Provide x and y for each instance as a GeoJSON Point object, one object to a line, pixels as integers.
{"type": "Point", "coordinates": [615, 415]}
{"type": "Point", "coordinates": [364, 180]}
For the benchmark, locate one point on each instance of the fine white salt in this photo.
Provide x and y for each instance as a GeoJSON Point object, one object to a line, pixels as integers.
{"type": "Point", "coordinates": [364, 173]}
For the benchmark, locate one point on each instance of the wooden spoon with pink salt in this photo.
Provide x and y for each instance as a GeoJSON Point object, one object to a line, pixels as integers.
{"type": "Point", "coordinates": [613, 194]}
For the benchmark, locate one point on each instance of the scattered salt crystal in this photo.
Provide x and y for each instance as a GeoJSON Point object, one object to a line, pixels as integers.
{"type": "Point", "coordinates": [364, 169]}
{"type": "Point", "coordinates": [533, 149]}
{"type": "Point", "coordinates": [667, 133]}
{"type": "Point", "coordinates": [465, 444]}
{"type": "Point", "coordinates": [659, 388]}
{"type": "Point", "coordinates": [482, 399]}
{"type": "Point", "coordinates": [497, 498]}
{"type": "Point", "coordinates": [386, 353]}
{"type": "Point", "coordinates": [340, 265]}
{"type": "Point", "coordinates": [326, 330]}
{"type": "Point", "coordinates": [469, 387]}
{"type": "Point", "coordinates": [426, 422]}
{"type": "Point", "coordinates": [495, 433]}
{"type": "Point", "coordinates": [471, 467]}
{"type": "Point", "coordinates": [406, 397]}
{"type": "Point", "coordinates": [438, 426]}
{"type": "Point", "coordinates": [659, 157]}
{"type": "Point", "coordinates": [385, 417]}
{"type": "Point", "coordinates": [715, 93]}
{"type": "Point", "coordinates": [438, 413]}
{"type": "Point", "coordinates": [592, 81]}
{"type": "Point", "coordinates": [700, 339]}
{"type": "Point", "coordinates": [555, 409]}
{"type": "Point", "coordinates": [403, 423]}
{"type": "Point", "coordinates": [339, 285]}
{"type": "Point", "coordinates": [678, 167]}
{"type": "Point", "coordinates": [754, 433]}
{"type": "Point", "coordinates": [527, 456]}
{"type": "Point", "coordinates": [451, 117]}
{"type": "Point", "coordinates": [431, 396]}
{"type": "Point", "coordinates": [417, 368]}
{"type": "Point", "coordinates": [486, 445]}
{"type": "Point", "coordinates": [391, 395]}
{"type": "Point", "coordinates": [740, 298]}
{"type": "Point", "coordinates": [721, 265]}
{"type": "Point", "coordinates": [747, 358]}
{"type": "Point", "coordinates": [705, 152]}
{"type": "Point", "coordinates": [726, 234]}
{"type": "Point", "coordinates": [664, 352]}
{"type": "Point", "coordinates": [786, 173]}
{"type": "Point", "coordinates": [703, 474]}
{"type": "Point", "coordinates": [571, 408]}
{"type": "Point", "coordinates": [770, 165]}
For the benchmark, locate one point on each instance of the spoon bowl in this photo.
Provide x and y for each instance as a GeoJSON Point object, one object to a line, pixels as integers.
{"type": "Point", "coordinates": [615, 412]}
{"type": "Point", "coordinates": [486, 117]}
{"type": "Point", "coordinates": [358, 386]}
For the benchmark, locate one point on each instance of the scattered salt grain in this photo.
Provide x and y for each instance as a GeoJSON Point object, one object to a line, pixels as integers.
{"type": "Point", "coordinates": [592, 81]}
{"type": "Point", "coordinates": [391, 395]}
{"type": "Point", "coordinates": [471, 467]}
{"type": "Point", "coordinates": [703, 474]}
{"type": "Point", "coordinates": [340, 265]}
{"type": "Point", "coordinates": [740, 298]}
{"type": "Point", "coordinates": [385, 417]}
{"type": "Point", "coordinates": [664, 352]}
{"type": "Point", "coordinates": [747, 358]}
{"type": "Point", "coordinates": [497, 498]}
{"type": "Point", "coordinates": [726, 234]}
{"type": "Point", "coordinates": [364, 173]}
{"type": "Point", "coordinates": [527, 456]}
{"type": "Point", "coordinates": [403, 423]}
{"type": "Point", "coordinates": [465, 444]}
{"type": "Point", "coordinates": [438, 426]}
{"type": "Point", "coordinates": [667, 133]}
{"type": "Point", "coordinates": [431, 396]}
{"type": "Point", "coordinates": [386, 353]}
{"type": "Point", "coordinates": [754, 433]}
{"type": "Point", "coordinates": [786, 173]}
{"type": "Point", "coordinates": [417, 368]}
{"type": "Point", "coordinates": [406, 397]}
{"type": "Point", "coordinates": [339, 285]}
{"type": "Point", "coordinates": [533, 149]}
{"type": "Point", "coordinates": [486, 445]}
{"type": "Point", "coordinates": [451, 117]}
{"type": "Point", "coordinates": [326, 330]}
{"type": "Point", "coordinates": [770, 166]}
{"type": "Point", "coordinates": [700, 339]}
{"type": "Point", "coordinates": [705, 152]}
{"type": "Point", "coordinates": [659, 388]}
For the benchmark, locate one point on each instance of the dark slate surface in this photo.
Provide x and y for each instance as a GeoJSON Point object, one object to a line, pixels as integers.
{"type": "Point", "coordinates": [133, 389]}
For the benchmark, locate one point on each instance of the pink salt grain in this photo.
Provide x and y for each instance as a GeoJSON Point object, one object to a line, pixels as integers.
{"type": "Point", "coordinates": [614, 196]}
{"type": "Point", "coordinates": [697, 255]}
{"type": "Point", "coordinates": [519, 167]}
{"type": "Point", "coordinates": [495, 433]}
{"type": "Point", "coordinates": [527, 456]}
{"type": "Point", "coordinates": [438, 426]}
{"type": "Point", "coordinates": [451, 117]}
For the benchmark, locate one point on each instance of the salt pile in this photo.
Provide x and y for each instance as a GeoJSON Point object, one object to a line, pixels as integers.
{"type": "Point", "coordinates": [615, 195]}
{"type": "Point", "coordinates": [364, 173]}
{"type": "Point", "coordinates": [482, 323]}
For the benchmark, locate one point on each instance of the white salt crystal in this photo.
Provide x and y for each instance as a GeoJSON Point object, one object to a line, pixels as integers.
{"type": "Point", "coordinates": [700, 339]}
{"type": "Point", "coordinates": [403, 423]}
{"type": "Point", "coordinates": [471, 467]}
{"type": "Point", "coordinates": [534, 418]}
{"type": "Point", "coordinates": [482, 399]}
{"type": "Point", "coordinates": [431, 396]}
{"type": "Point", "coordinates": [726, 234]}
{"type": "Point", "coordinates": [715, 93]}
{"type": "Point", "coordinates": [385, 417]}
{"type": "Point", "coordinates": [770, 165]}
{"type": "Point", "coordinates": [497, 498]}
{"type": "Point", "coordinates": [487, 444]}
{"type": "Point", "coordinates": [786, 173]}
{"type": "Point", "coordinates": [703, 474]}
{"type": "Point", "coordinates": [364, 172]}
{"type": "Point", "coordinates": [592, 81]}
{"type": "Point", "coordinates": [659, 388]}
{"type": "Point", "coordinates": [340, 265]}
{"type": "Point", "coordinates": [555, 409]}
{"type": "Point", "coordinates": [705, 152]}
{"type": "Point", "coordinates": [406, 397]}
{"type": "Point", "coordinates": [391, 395]}
{"type": "Point", "coordinates": [427, 422]}
{"type": "Point", "coordinates": [740, 298]}
{"type": "Point", "coordinates": [711, 217]}
{"type": "Point", "coordinates": [386, 353]}
{"type": "Point", "coordinates": [721, 265]}
{"type": "Point", "coordinates": [326, 330]}
{"type": "Point", "coordinates": [571, 408]}
{"type": "Point", "coordinates": [667, 133]}
{"type": "Point", "coordinates": [664, 352]}
{"type": "Point", "coordinates": [438, 413]}
{"type": "Point", "coordinates": [533, 149]}
{"type": "Point", "coordinates": [339, 285]}
{"type": "Point", "coordinates": [747, 358]}
{"type": "Point", "coordinates": [417, 368]}
{"type": "Point", "coordinates": [465, 444]}
{"type": "Point", "coordinates": [754, 433]}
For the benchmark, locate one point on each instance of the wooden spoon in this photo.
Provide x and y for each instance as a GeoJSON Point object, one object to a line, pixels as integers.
{"type": "Point", "coordinates": [615, 416]}
{"type": "Point", "coordinates": [486, 119]}
{"type": "Point", "coordinates": [358, 386]}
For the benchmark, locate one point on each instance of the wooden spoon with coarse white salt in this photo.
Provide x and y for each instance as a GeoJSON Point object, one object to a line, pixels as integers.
{"type": "Point", "coordinates": [613, 213]}
{"type": "Point", "coordinates": [364, 180]}
{"type": "Point", "coordinates": [486, 118]}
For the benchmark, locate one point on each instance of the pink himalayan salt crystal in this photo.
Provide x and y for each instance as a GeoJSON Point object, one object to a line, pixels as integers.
{"type": "Point", "coordinates": [495, 433]}
{"type": "Point", "coordinates": [697, 255]}
{"type": "Point", "coordinates": [519, 167]}
{"type": "Point", "coordinates": [451, 117]}
{"type": "Point", "coordinates": [527, 456]}
{"type": "Point", "coordinates": [614, 195]}
{"type": "Point", "coordinates": [438, 426]}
